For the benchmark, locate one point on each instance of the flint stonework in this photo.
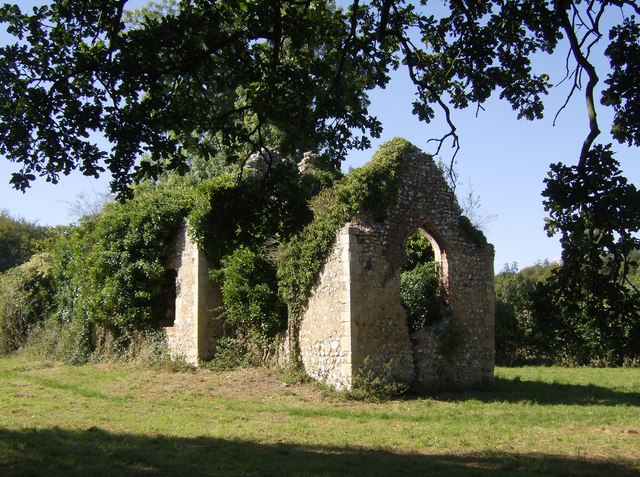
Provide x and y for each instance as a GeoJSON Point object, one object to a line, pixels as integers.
{"type": "Point", "coordinates": [354, 320]}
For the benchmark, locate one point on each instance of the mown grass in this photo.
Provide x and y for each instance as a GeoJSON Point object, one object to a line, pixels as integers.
{"type": "Point", "coordinates": [110, 419]}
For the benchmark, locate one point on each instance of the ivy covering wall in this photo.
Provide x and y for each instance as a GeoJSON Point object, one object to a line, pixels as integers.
{"type": "Point", "coordinates": [373, 187]}
{"type": "Point", "coordinates": [266, 237]}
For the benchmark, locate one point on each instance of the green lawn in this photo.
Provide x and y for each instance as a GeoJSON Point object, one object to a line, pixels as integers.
{"type": "Point", "coordinates": [109, 419]}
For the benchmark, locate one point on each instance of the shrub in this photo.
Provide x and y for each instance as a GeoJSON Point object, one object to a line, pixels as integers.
{"type": "Point", "coordinates": [26, 298]}
{"type": "Point", "coordinates": [239, 224]}
{"type": "Point", "coordinates": [127, 263]}
{"type": "Point", "coordinates": [420, 290]}
{"type": "Point", "coordinates": [249, 293]}
{"type": "Point", "coordinates": [419, 295]}
{"type": "Point", "coordinates": [418, 250]}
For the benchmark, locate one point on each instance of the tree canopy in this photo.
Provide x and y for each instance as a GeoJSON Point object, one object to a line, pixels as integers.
{"type": "Point", "coordinates": [207, 76]}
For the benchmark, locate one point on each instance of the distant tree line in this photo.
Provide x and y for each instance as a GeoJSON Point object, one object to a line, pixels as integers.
{"type": "Point", "coordinates": [539, 322]}
{"type": "Point", "coordinates": [19, 240]}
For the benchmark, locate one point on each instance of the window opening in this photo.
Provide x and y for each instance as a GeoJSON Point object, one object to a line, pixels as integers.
{"type": "Point", "coordinates": [421, 284]}
{"type": "Point", "coordinates": [170, 285]}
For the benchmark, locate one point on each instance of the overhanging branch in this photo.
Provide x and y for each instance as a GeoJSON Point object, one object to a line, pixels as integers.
{"type": "Point", "coordinates": [583, 65]}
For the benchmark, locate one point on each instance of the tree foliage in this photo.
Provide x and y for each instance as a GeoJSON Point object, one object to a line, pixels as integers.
{"type": "Point", "coordinates": [204, 77]}
{"type": "Point", "coordinates": [545, 317]}
{"type": "Point", "coordinates": [19, 240]}
{"type": "Point", "coordinates": [516, 332]}
{"type": "Point", "coordinates": [597, 215]}
{"type": "Point", "coordinates": [210, 76]}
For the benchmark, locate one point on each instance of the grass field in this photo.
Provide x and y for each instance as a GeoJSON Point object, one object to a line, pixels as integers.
{"type": "Point", "coordinates": [107, 419]}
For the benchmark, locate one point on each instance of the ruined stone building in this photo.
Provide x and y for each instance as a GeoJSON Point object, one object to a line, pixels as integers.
{"type": "Point", "coordinates": [354, 319]}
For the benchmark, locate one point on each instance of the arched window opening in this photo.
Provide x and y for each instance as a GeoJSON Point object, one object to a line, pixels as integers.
{"type": "Point", "coordinates": [422, 287]}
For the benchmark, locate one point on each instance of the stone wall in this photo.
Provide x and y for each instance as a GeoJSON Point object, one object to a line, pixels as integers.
{"type": "Point", "coordinates": [325, 336]}
{"type": "Point", "coordinates": [354, 318]}
{"type": "Point", "coordinates": [194, 331]}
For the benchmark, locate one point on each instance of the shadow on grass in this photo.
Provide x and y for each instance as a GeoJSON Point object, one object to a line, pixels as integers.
{"type": "Point", "coordinates": [57, 452]}
{"type": "Point", "coordinates": [538, 392]}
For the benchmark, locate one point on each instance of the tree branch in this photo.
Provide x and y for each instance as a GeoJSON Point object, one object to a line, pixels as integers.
{"type": "Point", "coordinates": [409, 54]}
{"type": "Point", "coordinates": [583, 65]}
{"type": "Point", "coordinates": [629, 3]}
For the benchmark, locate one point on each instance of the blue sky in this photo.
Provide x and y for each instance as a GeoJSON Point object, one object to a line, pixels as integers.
{"type": "Point", "coordinates": [502, 160]}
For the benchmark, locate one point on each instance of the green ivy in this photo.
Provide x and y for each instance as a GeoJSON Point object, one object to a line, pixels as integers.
{"type": "Point", "coordinates": [371, 189]}
{"type": "Point", "coordinates": [469, 232]}
{"type": "Point", "coordinates": [111, 270]}
{"type": "Point", "coordinates": [230, 213]}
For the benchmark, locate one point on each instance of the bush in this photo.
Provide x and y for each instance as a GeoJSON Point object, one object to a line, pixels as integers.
{"type": "Point", "coordinates": [107, 277]}
{"type": "Point", "coordinates": [249, 294]}
{"type": "Point", "coordinates": [580, 328]}
{"type": "Point", "coordinates": [419, 295]}
{"type": "Point", "coordinates": [26, 298]}
{"type": "Point", "coordinates": [127, 263]}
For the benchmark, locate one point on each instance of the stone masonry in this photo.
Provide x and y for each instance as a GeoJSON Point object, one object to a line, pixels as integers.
{"type": "Point", "coordinates": [194, 331]}
{"type": "Point", "coordinates": [354, 320]}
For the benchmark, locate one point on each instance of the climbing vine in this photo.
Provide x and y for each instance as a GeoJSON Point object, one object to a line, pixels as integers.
{"type": "Point", "coordinates": [121, 276]}
{"type": "Point", "coordinates": [372, 188]}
